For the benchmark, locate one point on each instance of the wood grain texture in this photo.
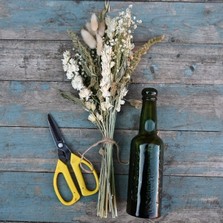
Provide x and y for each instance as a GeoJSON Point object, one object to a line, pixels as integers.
{"type": "Point", "coordinates": [183, 156]}
{"type": "Point", "coordinates": [187, 71]}
{"type": "Point", "coordinates": [189, 107]}
{"type": "Point", "coordinates": [35, 199]}
{"type": "Point", "coordinates": [165, 62]}
{"type": "Point", "coordinates": [180, 22]}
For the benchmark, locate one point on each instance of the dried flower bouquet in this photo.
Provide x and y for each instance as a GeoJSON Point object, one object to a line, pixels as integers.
{"type": "Point", "coordinates": [100, 67]}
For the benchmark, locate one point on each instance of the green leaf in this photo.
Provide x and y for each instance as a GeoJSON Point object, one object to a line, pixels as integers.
{"type": "Point", "coordinates": [71, 97]}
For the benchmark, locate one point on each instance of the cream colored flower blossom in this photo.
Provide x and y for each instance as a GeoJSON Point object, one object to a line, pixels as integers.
{"type": "Point", "coordinates": [99, 117]}
{"type": "Point", "coordinates": [85, 93]}
{"type": "Point", "coordinates": [69, 65]}
{"type": "Point", "coordinates": [77, 82]}
{"type": "Point", "coordinates": [94, 22]}
{"type": "Point", "coordinates": [106, 105]}
{"type": "Point", "coordinates": [106, 59]}
{"type": "Point", "coordinates": [92, 118]}
{"type": "Point", "coordinates": [90, 106]}
{"type": "Point", "coordinates": [88, 27]}
{"type": "Point", "coordinates": [72, 68]}
{"type": "Point", "coordinates": [99, 44]}
{"type": "Point", "coordinates": [111, 26]}
{"type": "Point", "coordinates": [120, 101]}
{"type": "Point", "coordinates": [93, 36]}
{"type": "Point", "coordinates": [69, 74]}
{"type": "Point", "coordinates": [65, 60]}
{"type": "Point", "coordinates": [88, 39]}
{"type": "Point", "coordinates": [105, 90]}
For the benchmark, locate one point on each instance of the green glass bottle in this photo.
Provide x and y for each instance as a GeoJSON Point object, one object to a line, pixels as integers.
{"type": "Point", "coordinates": [146, 163]}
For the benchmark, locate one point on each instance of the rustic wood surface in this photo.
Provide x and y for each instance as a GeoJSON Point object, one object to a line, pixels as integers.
{"type": "Point", "coordinates": [187, 70]}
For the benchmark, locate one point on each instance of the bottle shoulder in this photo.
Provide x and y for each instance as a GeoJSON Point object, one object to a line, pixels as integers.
{"type": "Point", "coordinates": [147, 138]}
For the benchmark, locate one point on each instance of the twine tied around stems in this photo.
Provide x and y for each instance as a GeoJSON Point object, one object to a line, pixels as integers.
{"type": "Point", "coordinates": [101, 152]}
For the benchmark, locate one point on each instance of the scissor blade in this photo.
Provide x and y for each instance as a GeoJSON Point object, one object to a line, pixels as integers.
{"type": "Point", "coordinates": [55, 131]}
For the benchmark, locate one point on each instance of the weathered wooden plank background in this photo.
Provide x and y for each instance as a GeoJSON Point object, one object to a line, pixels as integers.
{"type": "Point", "coordinates": [187, 70]}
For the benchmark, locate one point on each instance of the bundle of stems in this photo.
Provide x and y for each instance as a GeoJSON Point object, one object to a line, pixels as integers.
{"type": "Point", "coordinates": [107, 192]}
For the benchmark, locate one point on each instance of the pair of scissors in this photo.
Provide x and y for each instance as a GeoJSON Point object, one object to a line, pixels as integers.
{"type": "Point", "coordinates": [65, 159]}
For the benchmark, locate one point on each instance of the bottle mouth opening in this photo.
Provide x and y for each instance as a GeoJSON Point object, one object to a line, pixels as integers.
{"type": "Point", "coordinates": [149, 94]}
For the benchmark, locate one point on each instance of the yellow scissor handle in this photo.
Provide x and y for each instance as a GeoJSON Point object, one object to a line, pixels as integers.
{"type": "Point", "coordinates": [62, 168]}
{"type": "Point", "coordinates": [75, 162]}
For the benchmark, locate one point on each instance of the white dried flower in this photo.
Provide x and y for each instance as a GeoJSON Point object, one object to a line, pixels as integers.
{"type": "Point", "coordinates": [99, 117]}
{"type": "Point", "coordinates": [106, 105]}
{"type": "Point", "coordinates": [65, 60]}
{"type": "Point", "coordinates": [77, 82]}
{"type": "Point", "coordinates": [90, 106]}
{"type": "Point", "coordinates": [105, 81]}
{"type": "Point", "coordinates": [106, 59]}
{"type": "Point", "coordinates": [105, 89]}
{"type": "Point", "coordinates": [88, 39]}
{"type": "Point", "coordinates": [99, 44]}
{"type": "Point", "coordinates": [69, 65]}
{"type": "Point", "coordinates": [69, 75]}
{"type": "Point", "coordinates": [94, 22]}
{"type": "Point", "coordinates": [72, 67]}
{"type": "Point", "coordinates": [88, 27]}
{"type": "Point", "coordinates": [120, 102]}
{"type": "Point", "coordinates": [92, 118]}
{"type": "Point", "coordinates": [66, 57]}
{"type": "Point", "coordinates": [111, 27]}
{"type": "Point", "coordinates": [85, 93]}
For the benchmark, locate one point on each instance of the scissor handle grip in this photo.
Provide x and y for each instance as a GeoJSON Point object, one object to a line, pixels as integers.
{"type": "Point", "coordinates": [76, 161]}
{"type": "Point", "coordinates": [62, 168]}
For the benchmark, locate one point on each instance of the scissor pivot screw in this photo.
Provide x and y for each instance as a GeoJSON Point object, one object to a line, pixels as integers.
{"type": "Point", "coordinates": [60, 145]}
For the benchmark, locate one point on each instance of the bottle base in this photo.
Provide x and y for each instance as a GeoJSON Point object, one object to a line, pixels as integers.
{"type": "Point", "coordinates": [152, 217]}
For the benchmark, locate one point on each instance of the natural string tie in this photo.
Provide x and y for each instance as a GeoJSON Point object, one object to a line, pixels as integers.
{"type": "Point", "coordinates": [101, 152]}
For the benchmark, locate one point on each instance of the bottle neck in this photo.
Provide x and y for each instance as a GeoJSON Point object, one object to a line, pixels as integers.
{"type": "Point", "coordinates": [148, 118]}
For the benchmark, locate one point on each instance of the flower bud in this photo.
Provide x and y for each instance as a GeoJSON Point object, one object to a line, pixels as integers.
{"type": "Point", "coordinates": [94, 22]}
{"type": "Point", "coordinates": [88, 39]}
